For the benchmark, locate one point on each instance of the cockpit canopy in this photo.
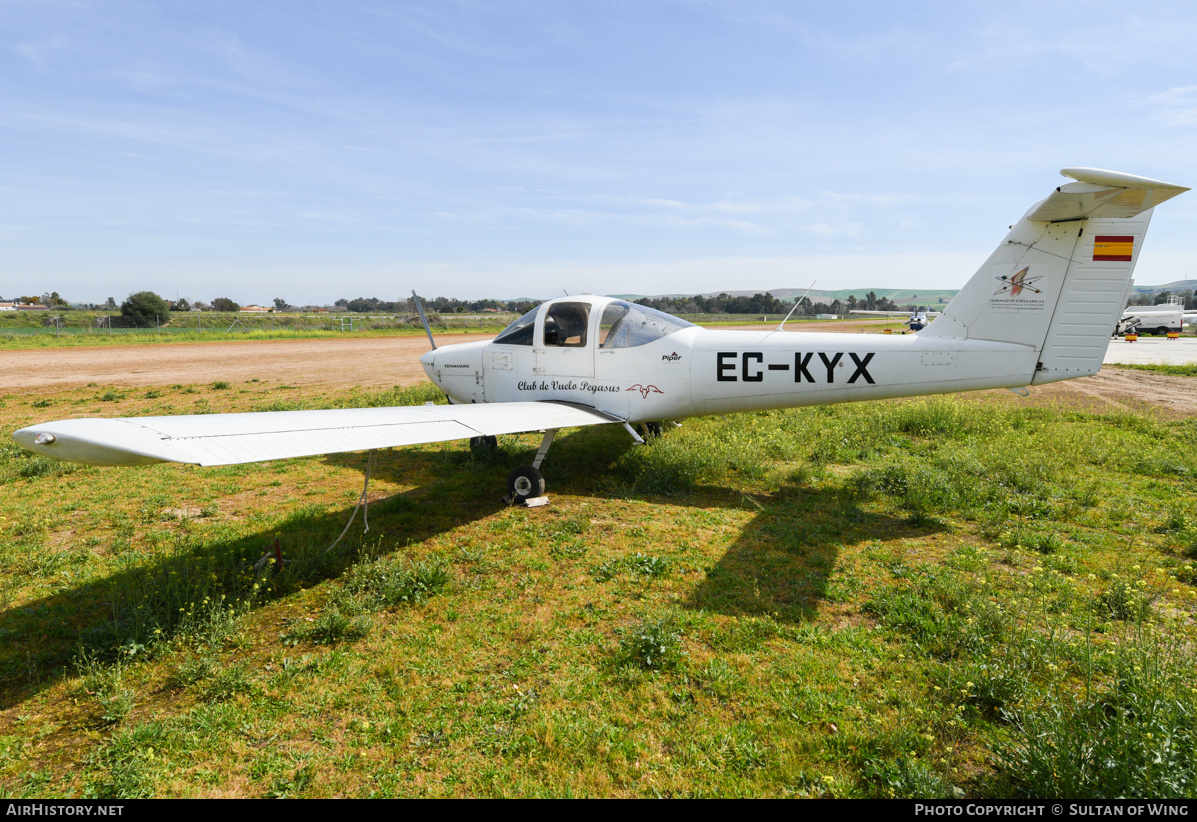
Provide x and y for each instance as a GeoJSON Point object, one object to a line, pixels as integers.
{"type": "Point", "coordinates": [627, 325]}
{"type": "Point", "coordinates": [566, 323]}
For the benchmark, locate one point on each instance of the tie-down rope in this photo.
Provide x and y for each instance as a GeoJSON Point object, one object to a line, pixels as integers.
{"type": "Point", "coordinates": [363, 502]}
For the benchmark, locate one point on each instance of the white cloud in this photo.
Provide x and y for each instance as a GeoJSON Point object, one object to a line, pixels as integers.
{"type": "Point", "coordinates": [1176, 106]}
{"type": "Point", "coordinates": [40, 52]}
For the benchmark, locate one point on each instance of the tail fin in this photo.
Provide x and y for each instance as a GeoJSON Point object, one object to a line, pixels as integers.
{"type": "Point", "coordinates": [1059, 281]}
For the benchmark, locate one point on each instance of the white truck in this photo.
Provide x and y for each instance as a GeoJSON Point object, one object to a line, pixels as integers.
{"type": "Point", "coordinates": [1155, 319]}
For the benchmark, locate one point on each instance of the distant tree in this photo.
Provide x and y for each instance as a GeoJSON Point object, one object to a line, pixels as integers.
{"type": "Point", "coordinates": [200, 305]}
{"type": "Point", "coordinates": [180, 304]}
{"type": "Point", "coordinates": [280, 304]}
{"type": "Point", "coordinates": [52, 299]}
{"type": "Point", "coordinates": [110, 304]}
{"type": "Point", "coordinates": [224, 304]}
{"type": "Point", "coordinates": [145, 308]}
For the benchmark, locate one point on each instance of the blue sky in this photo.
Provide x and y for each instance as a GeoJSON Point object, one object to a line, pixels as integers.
{"type": "Point", "coordinates": [317, 150]}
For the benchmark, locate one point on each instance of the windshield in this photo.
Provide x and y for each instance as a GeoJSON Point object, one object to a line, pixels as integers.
{"type": "Point", "coordinates": [520, 331]}
{"type": "Point", "coordinates": [627, 325]}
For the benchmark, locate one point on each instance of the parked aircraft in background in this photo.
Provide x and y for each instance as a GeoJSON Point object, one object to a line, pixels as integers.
{"type": "Point", "coordinates": [914, 320]}
{"type": "Point", "coordinates": [1039, 310]}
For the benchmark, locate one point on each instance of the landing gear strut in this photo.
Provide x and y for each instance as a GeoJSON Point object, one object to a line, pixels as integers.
{"type": "Point", "coordinates": [526, 482]}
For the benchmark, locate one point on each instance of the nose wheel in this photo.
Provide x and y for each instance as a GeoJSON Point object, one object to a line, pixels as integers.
{"type": "Point", "coordinates": [649, 430]}
{"type": "Point", "coordinates": [484, 446]}
{"type": "Point", "coordinates": [525, 483]}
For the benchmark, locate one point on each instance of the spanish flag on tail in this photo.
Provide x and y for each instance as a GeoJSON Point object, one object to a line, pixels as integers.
{"type": "Point", "coordinates": [1113, 248]}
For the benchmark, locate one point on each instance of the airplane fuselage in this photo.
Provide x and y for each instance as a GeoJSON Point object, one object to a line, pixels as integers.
{"type": "Point", "coordinates": [694, 371]}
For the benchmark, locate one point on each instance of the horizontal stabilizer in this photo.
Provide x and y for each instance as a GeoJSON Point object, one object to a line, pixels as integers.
{"type": "Point", "coordinates": [1100, 193]}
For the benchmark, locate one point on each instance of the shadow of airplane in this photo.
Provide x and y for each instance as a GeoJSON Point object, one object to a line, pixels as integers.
{"type": "Point", "coordinates": [779, 565]}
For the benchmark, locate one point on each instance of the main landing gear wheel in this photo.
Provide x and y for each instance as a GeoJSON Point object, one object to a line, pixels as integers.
{"type": "Point", "coordinates": [524, 483]}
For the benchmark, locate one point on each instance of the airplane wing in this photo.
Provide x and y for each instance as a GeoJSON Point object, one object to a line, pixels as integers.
{"type": "Point", "coordinates": [229, 439]}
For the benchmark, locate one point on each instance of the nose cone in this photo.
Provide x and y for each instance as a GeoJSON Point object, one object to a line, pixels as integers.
{"type": "Point", "coordinates": [457, 370]}
{"type": "Point", "coordinates": [429, 362]}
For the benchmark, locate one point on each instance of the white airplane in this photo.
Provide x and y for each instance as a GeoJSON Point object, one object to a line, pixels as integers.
{"type": "Point", "coordinates": [1039, 310]}
{"type": "Point", "coordinates": [915, 320]}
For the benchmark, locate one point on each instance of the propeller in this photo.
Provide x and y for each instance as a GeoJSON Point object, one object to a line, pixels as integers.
{"type": "Point", "coordinates": [423, 319]}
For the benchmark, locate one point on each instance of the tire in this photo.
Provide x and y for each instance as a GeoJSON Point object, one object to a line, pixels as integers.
{"type": "Point", "coordinates": [649, 430]}
{"type": "Point", "coordinates": [484, 445]}
{"type": "Point", "coordinates": [1162, 331]}
{"type": "Point", "coordinates": [524, 483]}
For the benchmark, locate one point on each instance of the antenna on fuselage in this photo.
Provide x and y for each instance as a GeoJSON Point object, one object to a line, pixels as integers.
{"type": "Point", "coordinates": [797, 303]}
{"type": "Point", "coordinates": [423, 319]}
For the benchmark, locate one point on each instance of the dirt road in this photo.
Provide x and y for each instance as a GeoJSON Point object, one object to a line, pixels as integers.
{"type": "Point", "coordinates": [364, 361]}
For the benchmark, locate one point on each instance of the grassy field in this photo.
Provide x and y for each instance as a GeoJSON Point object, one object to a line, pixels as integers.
{"type": "Point", "coordinates": [1189, 370]}
{"type": "Point", "coordinates": [25, 330]}
{"type": "Point", "coordinates": [941, 598]}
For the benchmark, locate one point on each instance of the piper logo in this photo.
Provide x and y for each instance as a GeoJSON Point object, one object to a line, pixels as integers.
{"type": "Point", "coordinates": [674, 357]}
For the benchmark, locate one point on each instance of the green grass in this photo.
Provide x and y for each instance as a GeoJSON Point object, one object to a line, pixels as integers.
{"type": "Point", "coordinates": [27, 331]}
{"type": "Point", "coordinates": [956, 597]}
{"type": "Point", "coordinates": [1189, 370]}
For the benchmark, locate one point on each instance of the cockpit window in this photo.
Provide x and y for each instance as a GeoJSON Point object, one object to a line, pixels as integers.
{"type": "Point", "coordinates": [627, 325]}
{"type": "Point", "coordinates": [519, 332]}
{"type": "Point", "coordinates": [612, 315]}
{"type": "Point", "coordinates": [565, 325]}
